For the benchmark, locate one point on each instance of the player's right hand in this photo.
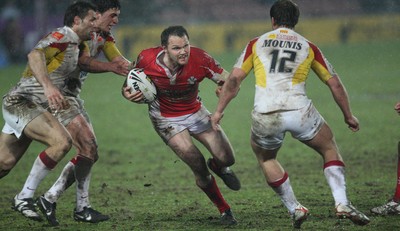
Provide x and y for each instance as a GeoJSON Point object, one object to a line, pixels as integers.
{"type": "Point", "coordinates": [133, 97]}
{"type": "Point", "coordinates": [55, 98]}
{"type": "Point", "coordinates": [120, 66]}
{"type": "Point", "coordinates": [215, 120]}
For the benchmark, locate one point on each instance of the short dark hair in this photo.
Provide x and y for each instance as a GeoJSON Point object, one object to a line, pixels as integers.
{"type": "Point", "coordinates": [285, 13]}
{"type": "Point", "coordinates": [80, 9]}
{"type": "Point", "coordinates": [179, 31]}
{"type": "Point", "coordinates": [104, 5]}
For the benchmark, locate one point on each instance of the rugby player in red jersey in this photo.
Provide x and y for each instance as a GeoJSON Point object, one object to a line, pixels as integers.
{"type": "Point", "coordinates": [392, 207]}
{"type": "Point", "coordinates": [177, 68]}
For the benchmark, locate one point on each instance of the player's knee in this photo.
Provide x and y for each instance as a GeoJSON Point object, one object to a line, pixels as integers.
{"type": "Point", "coordinates": [6, 164]}
{"type": "Point", "coordinates": [89, 149]}
{"type": "Point", "coordinates": [92, 148]}
{"type": "Point", "coordinates": [61, 146]}
{"type": "Point", "coordinates": [66, 144]}
{"type": "Point", "coordinates": [227, 159]}
{"type": "Point", "coordinates": [230, 161]}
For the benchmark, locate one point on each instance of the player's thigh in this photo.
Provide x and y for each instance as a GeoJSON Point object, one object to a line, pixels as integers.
{"type": "Point", "coordinates": [323, 141]}
{"type": "Point", "coordinates": [217, 144]}
{"type": "Point", "coordinates": [46, 129]}
{"type": "Point", "coordinates": [12, 149]}
{"type": "Point", "coordinates": [182, 144]}
{"type": "Point", "coordinates": [263, 154]}
{"type": "Point", "coordinates": [268, 130]}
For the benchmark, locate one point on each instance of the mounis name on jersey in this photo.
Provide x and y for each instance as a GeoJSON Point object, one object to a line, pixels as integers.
{"type": "Point", "coordinates": [282, 44]}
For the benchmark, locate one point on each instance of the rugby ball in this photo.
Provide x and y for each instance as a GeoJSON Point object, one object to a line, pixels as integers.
{"type": "Point", "coordinates": [139, 81]}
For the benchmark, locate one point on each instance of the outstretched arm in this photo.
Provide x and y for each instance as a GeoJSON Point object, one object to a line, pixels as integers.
{"type": "Point", "coordinates": [229, 91]}
{"type": "Point", "coordinates": [119, 65]}
{"type": "Point", "coordinates": [340, 95]}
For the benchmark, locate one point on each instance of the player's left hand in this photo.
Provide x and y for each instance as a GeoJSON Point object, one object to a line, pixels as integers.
{"type": "Point", "coordinates": [218, 91]}
{"type": "Point", "coordinates": [353, 124]}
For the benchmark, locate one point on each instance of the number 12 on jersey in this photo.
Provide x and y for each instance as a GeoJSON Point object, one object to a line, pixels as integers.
{"type": "Point", "coordinates": [280, 58]}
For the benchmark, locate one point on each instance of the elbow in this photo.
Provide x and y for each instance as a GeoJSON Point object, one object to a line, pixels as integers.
{"type": "Point", "coordinates": [31, 55]}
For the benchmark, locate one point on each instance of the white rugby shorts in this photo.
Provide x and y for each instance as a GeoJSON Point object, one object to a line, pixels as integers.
{"type": "Point", "coordinates": [18, 112]}
{"type": "Point", "coordinates": [268, 129]}
{"type": "Point", "coordinates": [167, 127]}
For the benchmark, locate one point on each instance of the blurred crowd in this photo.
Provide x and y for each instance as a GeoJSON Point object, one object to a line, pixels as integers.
{"type": "Point", "coordinates": [22, 22]}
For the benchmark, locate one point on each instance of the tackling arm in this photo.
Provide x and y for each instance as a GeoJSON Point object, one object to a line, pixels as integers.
{"type": "Point", "coordinates": [119, 65]}
{"type": "Point", "coordinates": [220, 80]}
{"type": "Point", "coordinates": [341, 98]}
{"type": "Point", "coordinates": [229, 91]}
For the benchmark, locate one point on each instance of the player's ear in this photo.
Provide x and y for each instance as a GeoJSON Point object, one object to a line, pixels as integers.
{"type": "Point", "coordinates": [273, 22]}
{"type": "Point", "coordinates": [77, 20]}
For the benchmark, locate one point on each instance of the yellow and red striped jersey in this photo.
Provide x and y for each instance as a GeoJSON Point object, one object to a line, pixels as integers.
{"type": "Point", "coordinates": [61, 49]}
{"type": "Point", "coordinates": [281, 60]}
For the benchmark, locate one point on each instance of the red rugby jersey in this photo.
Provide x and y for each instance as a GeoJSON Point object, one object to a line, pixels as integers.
{"type": "Point", "coordinates": [178, 94]}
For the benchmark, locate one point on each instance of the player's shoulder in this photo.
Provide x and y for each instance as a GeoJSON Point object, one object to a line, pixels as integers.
{"type": "Point", "coordinates": [98, 39]}
{"type": "Point", "coordinates": [148, 56]}
{"type": "Point", "coordinates": [59, 38]}
{"type": "Point", "coordinates": [152, 50]}
{"type": "Point", "coordinates": [150, 53]}
{"type": "Point", "coordinates": [63, 34]}
{"type": "Point", "coordinates": [197, 50]}
{"type": "Point", "coordinates": [199, 54]}
{"type": "Point", "coordinates": [106, 36]}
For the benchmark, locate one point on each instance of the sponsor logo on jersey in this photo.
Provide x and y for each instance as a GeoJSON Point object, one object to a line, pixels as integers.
{"type": "Point", "coordinates": [287, 37]}
{"type": "Point", "coordinates": [192, 80]}
{"type": "Point", "coordinates": [57, 35]}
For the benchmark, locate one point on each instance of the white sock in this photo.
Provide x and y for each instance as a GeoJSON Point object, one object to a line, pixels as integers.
{"type": "Point", "coordinates": [38, 172]}
{"type": "Point", "coordinates": [335, 176]}
{"type": "Point", "coordinates": [286, 194]}
{"type": "Point", "coordinates": [54, 193]}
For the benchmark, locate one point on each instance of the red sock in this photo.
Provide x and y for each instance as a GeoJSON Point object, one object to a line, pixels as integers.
{"type": "Point", "coordinates": [215, 196]}
{"type": "Point", "coordinates": [279, 182]}
{"type": "Point", "coordinates": [74, 160]}
{"type": "Point", "coordinates": [396, 196]}
{"type": "Point", "coordinates": [47, 161]}
{"type": "Point", "coordinates": [333, 163]}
